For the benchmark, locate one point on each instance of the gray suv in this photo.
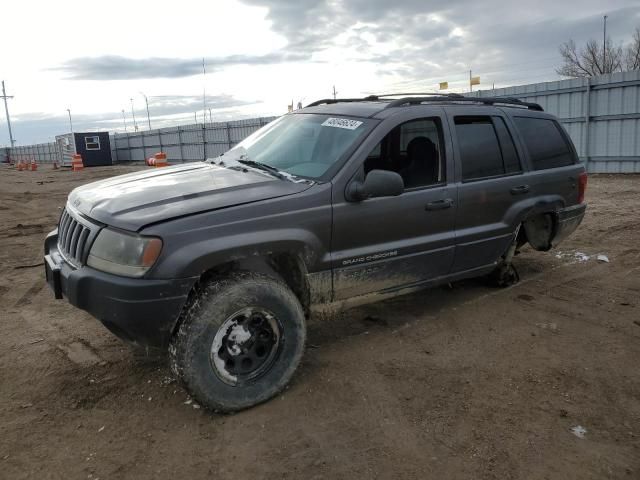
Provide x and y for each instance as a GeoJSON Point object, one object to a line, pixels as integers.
{"type": "Point", "coordinates": [340, 203]}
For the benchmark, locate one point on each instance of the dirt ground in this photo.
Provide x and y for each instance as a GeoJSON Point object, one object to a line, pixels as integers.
{"type": "Point", "coordinates": [467, 382]}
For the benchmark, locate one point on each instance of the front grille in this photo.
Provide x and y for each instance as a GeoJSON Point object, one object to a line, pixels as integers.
{"type": "Point", "coordinates": [73, 238]}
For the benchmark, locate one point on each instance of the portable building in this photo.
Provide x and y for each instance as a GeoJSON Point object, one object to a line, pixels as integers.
{"type": "Point", "coordinates": [95, 148]}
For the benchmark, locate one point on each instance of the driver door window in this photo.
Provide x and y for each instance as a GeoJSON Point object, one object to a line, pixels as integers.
{"type": "Point", "coordinates": [414, 150]}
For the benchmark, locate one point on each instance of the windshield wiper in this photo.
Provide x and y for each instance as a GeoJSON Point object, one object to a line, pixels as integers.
{"type": "Point", "coordinates": [263, 166]}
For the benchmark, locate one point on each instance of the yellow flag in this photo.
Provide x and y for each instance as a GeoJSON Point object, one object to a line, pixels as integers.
{"type": "Point", "coordinates": [444, 85]}
{"type": "Point", "coordinates": [475, 80]}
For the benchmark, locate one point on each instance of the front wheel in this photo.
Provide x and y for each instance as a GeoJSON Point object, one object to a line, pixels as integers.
{"type": "Point", "coordinates": [239, 342]}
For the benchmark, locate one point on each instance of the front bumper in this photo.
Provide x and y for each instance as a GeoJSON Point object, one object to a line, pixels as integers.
{"type": "Point", "coordinates": [568, 220]}
{"type": "Point", "coordinates": [141, 311]}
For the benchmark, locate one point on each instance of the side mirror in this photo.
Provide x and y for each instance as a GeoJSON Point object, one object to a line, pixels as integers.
{"type": "Point", "coordinates": [377, 183]}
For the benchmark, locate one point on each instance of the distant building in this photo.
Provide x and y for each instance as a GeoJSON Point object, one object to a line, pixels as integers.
{"type": "Point", "coordinates": [95, 148]}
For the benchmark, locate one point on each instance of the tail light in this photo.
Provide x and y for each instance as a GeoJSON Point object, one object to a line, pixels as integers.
{"type": "Point", "coordinates": [582, 186]}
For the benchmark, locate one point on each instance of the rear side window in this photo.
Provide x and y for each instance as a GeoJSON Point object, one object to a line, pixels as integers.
{"type": "Point", "coordinates": [509, 154]}
{"type": "Point", "coordinates": [486, 147]}
{"type": "Point", "coordinates": [546, 145]}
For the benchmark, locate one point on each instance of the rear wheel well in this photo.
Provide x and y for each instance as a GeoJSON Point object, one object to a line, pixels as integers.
{"type": "Point", "coordinates": [538, 230]}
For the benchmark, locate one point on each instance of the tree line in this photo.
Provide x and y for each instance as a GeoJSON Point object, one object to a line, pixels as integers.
{"type": "Point", "coordinates": [595, 58]}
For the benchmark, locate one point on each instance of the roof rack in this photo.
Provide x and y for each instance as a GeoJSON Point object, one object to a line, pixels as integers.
{"type": "Point", "coordinates": [485, 100]}
{"type": "Point", "coordinates": [416, 99]}
{"type": "Point", "coordinates": [430, 94]}
{"type": "Point", "coordinates": [329, 101]}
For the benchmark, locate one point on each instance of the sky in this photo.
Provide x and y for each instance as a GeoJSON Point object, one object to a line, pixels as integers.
{"type": "Point", "coordinates": [260, 55]}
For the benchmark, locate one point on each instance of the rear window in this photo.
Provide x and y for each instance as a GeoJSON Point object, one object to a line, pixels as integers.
{"type": "Point", "coordinates": [546, 145]}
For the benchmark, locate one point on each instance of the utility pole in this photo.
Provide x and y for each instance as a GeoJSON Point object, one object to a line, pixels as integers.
{"type": "Point", "coordinates": [6, 111]}
{"type": "Point", "coordinates": [70, 122]}
{"type": "Point", "coordinates": [334, 93]}
{"type": "Point", "coordinates": [124, 120]}
{"type": "Point", "coordinates": [133, 114]}
{"type": "Point", "coordinates": [470, 85]}
{"type": "Point", "coordinates": [604, 46]}
{"type": "Point", "coordinates": [210, 116]}
{"type": "Point", "coordinates": [204, 94]}
{"type": "Point", "coordinates": [146, 101]}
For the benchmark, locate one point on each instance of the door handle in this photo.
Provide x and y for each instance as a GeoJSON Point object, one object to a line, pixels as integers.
{"type": "Point", "coordinates": [439, 204]}
{"type": "Point", "coordinates": [520, 189]}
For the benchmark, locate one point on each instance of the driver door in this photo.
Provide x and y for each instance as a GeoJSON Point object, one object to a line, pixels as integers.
{"type": "Point", "coordinates": [385, 243]}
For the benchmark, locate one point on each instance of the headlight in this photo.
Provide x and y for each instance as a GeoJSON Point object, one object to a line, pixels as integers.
{"type": "Point", "coordinates": [124, 254]}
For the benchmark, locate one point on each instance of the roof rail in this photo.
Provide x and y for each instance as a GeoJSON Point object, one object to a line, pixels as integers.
{"type": "Point", "coordinates": [431, 94]}
{"type": "Point", "coordinates": [329, 101]}
{"type": "Point", "coordinates": [459, 98]}
{"type": "Point", "coordinates": [375, 98]}
{"type": "Point", "coordinates": [415, 99]}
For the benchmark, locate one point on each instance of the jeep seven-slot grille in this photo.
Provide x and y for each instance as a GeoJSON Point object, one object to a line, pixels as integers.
{"type": "Point", "coordinates": [73, 237]}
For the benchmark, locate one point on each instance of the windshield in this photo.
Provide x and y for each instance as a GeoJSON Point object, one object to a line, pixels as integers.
{"type": "Point", "coordinates": [305, 145]}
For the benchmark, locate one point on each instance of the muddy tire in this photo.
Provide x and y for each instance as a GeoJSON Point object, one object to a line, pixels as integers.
{"type": "Point", "coordinates": [239, 342]}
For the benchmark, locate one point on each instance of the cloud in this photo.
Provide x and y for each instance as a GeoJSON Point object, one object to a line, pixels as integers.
{"type": "Point", "coordinates": [167, 105]}
{"type": "Point", "coordinates": [415, 39]}
{"type": "Point", "coordinates": [427, 39]}
{"type": "Point", "coordinates": [114, 67]}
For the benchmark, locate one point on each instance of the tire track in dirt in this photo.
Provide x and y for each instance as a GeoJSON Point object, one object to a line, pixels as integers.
{"type": "Point", "coordinates": [27, 297]}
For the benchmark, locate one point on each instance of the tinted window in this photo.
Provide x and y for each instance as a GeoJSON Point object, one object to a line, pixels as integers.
{"type": "Point", "coordinates": [545, 143]}
{"type": "Point", "coordinates": [412, 149]}
{"type": "Point", "coordinates": [479, 148]}
{"type": "Point", "coordinates": [509, 154]}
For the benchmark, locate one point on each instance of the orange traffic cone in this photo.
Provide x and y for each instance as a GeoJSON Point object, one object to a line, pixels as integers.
{"type": "Point", "coordinates": [160, 160]}
{"type": "Point", "coordinates": [76, 163]}
{"type": "Point", "coordinates": [20, 166]}
{"type": "Point", "coordinates": [151, 161]}
{"type": "Point", "coordinates": [34, 165]}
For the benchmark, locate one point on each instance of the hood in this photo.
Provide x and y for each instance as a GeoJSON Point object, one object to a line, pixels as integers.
{"type": "Point", "coordinates": [135, 200]}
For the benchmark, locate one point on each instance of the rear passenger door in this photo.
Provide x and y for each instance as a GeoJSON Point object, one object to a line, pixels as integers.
{"type": "Point", "coordinates": [490, 180]}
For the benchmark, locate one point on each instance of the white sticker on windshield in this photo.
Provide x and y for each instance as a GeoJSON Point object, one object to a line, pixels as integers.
{"type": "Point", "coordinates": [341, 123]}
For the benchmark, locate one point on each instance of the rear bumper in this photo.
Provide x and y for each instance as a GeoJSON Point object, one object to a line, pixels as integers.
{"type": "Point", "coordinates": [568, 220]}
{"type": "Point", "coordinates": [141, 311]}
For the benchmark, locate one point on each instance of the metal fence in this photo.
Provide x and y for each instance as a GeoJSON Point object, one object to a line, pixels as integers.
{"type": "Point", "coordinates": [602, 115]}
{"type": "Point", "coordinates": [41, 153]}
{"type": "Point", "coordinates": [186, 142]}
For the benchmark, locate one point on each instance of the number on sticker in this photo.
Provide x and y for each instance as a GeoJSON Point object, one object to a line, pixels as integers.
{"type": "Point", "coordinates": [341, 123]}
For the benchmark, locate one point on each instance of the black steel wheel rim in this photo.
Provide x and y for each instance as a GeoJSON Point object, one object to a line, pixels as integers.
{"type": "Point", "coordinates": [245, 346]}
